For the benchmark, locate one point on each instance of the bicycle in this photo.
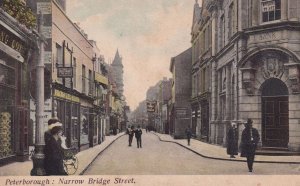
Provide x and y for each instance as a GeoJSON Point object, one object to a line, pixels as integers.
{"type": "Point", "coordinates": [70, 161]}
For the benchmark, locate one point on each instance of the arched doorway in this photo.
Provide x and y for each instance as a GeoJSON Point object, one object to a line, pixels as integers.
{"type": "Point", "coordinates": [275, 114]}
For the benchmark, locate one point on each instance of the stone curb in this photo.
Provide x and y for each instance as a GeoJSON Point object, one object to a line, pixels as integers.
{"type": "Point", "coordinates": [223, 159]}
{"type": "Point", "coordinates": [88, 166]}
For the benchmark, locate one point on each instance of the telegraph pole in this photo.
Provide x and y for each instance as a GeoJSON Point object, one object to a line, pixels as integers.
{"type": "Point", "coordinates": [39, 156]}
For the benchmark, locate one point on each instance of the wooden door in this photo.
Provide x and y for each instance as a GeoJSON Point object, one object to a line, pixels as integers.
{"type": "Point", "coordinates": [275, 121]}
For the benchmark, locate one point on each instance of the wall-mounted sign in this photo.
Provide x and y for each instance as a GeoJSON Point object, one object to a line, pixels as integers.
{"type": "Point", "coordinates": [65, 72]}
{"type": "Point", "coordinates": [181, 112]}
{"type": "Point", "coordinates": [43, 7]}
{"type": "Point", "coordinates": [66, 96]}
{"type": "Point", "coordinates": [12, 41]}
{"type": "Point", "coordinates": [48, 57]}
{"type": "Point", "coordinates": [47, 32]}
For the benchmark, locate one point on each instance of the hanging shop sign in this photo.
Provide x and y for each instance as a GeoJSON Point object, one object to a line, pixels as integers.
{"type": "Point", "coordinates": [65, 72]}
{"type": "Point", "coordinates": [151, 106]}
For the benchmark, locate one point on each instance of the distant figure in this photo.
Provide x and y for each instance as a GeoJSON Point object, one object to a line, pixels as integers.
{"type": "Point", "coordinates": [232, 141]}
{"type": "Point", "coordinates": [130, 132]}
{"type": "Point", "coordinates": [250, 138]}
{"type": "Point", "coordinates": [188, 134]}
{"type": "Point", "coordinates": [53, 162]}
{"type": "Point", "coordinates": [138, 136]}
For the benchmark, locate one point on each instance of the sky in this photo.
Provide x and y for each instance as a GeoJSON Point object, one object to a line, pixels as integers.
{"type": "Point", "coordinates": [147, 34]}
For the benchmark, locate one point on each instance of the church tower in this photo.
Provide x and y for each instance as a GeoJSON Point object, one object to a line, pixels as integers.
{"type": "Point", "coordinates": [118, 72]}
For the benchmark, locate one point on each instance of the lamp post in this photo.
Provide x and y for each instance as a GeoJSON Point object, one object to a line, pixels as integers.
{"type": "Point", "coordinates": [39, 156]}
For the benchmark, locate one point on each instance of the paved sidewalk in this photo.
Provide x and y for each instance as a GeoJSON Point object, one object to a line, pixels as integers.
{"type": "Point", "coordinates": [217, 152]}
{"type": "Point", "coordinates": [85, 158]}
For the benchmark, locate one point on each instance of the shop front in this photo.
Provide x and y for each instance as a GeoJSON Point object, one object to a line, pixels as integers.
{"type": "Point", "coordinates": [14, 91]}
{"type": "Point", "coordinates": [88, 127]}
{"type": "Point", "coordinates": [68, 112]}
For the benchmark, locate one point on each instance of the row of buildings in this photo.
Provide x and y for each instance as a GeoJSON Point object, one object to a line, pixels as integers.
{"type": "Point", "coordinates": [81, 89]}
{"type": "Point", "coordinates": [244, 62]}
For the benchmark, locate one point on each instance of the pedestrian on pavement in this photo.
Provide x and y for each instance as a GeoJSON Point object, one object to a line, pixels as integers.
{"type": "Point", "coordinates": [250, 138]}
{"type": "Point", "coordinates": [53, 162]}
{"type": "Point", "coordinates": [138, 136]}
{"type": "Point", "coordinates": [188, 132]}
{"type": "Point", "coordinates": [232, 141]}
{"type": "Point", "coordinates": [130, 135]}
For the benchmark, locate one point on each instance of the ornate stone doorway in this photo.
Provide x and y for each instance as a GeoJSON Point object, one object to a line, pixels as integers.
{"type": "Point", "coordinates": [275, 114]}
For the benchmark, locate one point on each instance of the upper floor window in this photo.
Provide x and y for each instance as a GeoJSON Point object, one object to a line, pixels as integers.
{"type": "Point", "coordinates": [271, 10]}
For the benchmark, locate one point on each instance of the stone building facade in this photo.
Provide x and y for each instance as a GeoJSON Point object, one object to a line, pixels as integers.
{"type": "Point", "coordinates": [201, 70]}
{"type": "Point", "coordinates": [255, 52]}
{"type": "Point", "coordinates": [180, 108]}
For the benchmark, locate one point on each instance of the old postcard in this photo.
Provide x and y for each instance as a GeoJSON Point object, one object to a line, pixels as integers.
{"type": "Point", "coordinates": [140, 92]}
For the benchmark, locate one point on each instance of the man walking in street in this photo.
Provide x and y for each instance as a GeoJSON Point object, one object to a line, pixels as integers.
{"type": "Point", "coordinates": [188, 134]}
{"type": "Point", "coordinates": [138, 136]}
{"type": "Point", "coordinates": [130, 132]}
{"type": "Point", "coordinates": [250, 138]}
{"type": "Point", "coordinates": [232, 141]}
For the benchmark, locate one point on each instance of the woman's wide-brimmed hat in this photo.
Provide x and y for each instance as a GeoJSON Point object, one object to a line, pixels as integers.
{"type": "Point", "coordinates": [54, 122]}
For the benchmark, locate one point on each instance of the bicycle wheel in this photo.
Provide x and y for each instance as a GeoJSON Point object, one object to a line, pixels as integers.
{"type": "Point", "coordinates": [71, 165]}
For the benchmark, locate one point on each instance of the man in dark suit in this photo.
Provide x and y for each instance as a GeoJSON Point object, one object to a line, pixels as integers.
{"type": "Point", "coordinates": [138, 136]}
{"type": "Point", "coordinates": [250, 138]}
{"type": "Point", "coordinates": [188, 133]}
{"type": "Point", "coordinates": [130, 132]}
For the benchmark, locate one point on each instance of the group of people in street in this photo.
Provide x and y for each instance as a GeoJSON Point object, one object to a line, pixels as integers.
{"type": "Point", "coordinates": [54, 155]}
{"type": "Point", "coordinates": [131, 131]}
{"type": "Point", "coordinates": [248, 145]}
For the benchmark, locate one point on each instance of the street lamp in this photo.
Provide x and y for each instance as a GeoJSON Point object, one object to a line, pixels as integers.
{"type": "Point", "coordinates": [39, 156]}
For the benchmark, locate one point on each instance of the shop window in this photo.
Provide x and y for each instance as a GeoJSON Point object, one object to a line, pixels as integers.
{"type": "Point", "coordinates": [75, 122]}
{"type": "Point", "coordinates": [271, 10]}
{"type": "Point", "coordinates": [84, 126]}
{"type": "Point", "coordinates": [6, 146]}
{"type": "Point", "coordinates": [7, 75]}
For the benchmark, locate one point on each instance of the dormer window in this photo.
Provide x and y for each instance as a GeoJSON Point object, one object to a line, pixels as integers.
{"type": "Point", "coordinates": [271, 10]}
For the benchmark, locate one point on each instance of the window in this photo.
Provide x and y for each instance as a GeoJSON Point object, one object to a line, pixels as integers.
{"type": "Point", "coordinates": [203, 80]}
{"type": "Point", "coordinates": [223, 106]}
{"type": "Point", "coordinates": [83, 79]}
{"type": "Point", "coordinates": [271, 10]}
{"type": "Point", "coordinates": [74, 72]}
{"type": "Point", "coordinates": [230, 21]}
{"type": "Point", "coordinates": [90, 83]}
{"type": "Point", "coordinates": [59, 55]}
{"type": "Point", "coordinates": [222, 32]}
{"type": "Point", "coordinates": [59, 59]}
{"type": "Point", "coordinates": [194, 85]}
